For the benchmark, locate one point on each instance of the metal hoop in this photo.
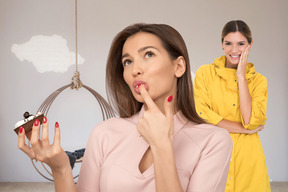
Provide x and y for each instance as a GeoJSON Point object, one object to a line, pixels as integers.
{"type": "Point", "coordinates": [106, 109]}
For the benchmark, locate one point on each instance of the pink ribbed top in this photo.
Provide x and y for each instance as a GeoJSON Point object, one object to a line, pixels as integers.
{"type": "Point", "coordinates": [115, 149]}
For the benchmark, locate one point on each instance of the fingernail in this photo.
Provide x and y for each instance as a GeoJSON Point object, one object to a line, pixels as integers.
{"type": "Point", "coordinates": [57, 124]}
{"type": "Point", "coordinates": [20, 129]}
{"type": "Point", "coordinates": [170, 98]}
{"type": "Point", "coordinates": [36, 122]}
{"type": "Point", "coordinates": [44, 119]}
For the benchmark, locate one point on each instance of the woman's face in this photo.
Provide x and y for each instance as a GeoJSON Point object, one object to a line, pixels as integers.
{"type": "Point", "coordinates": [147, 63]}
{"type": "Point", "coordinates": [234, 44]}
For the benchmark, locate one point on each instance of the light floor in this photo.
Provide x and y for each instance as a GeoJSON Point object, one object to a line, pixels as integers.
{"type": "Point", "coordinates": [49, 187]}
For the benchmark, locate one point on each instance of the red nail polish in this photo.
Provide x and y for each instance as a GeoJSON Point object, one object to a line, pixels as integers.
{"type": "Point", "coordinates": [44, 119]}
{"type": "Point", "coordinates": [36, 122]}
{"type": "Point", "coordinates": [56, 124]}
{"type": "Point", "coordinates": [170, 98]}
{"type": "Point", "coordinates": [20, 129]}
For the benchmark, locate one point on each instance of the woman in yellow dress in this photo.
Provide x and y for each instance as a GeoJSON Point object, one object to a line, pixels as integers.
{"type": "Point", "coordinates": [230, 94]}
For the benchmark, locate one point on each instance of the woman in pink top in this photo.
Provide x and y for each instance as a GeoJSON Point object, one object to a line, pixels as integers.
{"type": "Point", "coordinates": [158, 143]}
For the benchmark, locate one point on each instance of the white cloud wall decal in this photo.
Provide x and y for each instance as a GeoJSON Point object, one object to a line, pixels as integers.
{"type": "Point", "coordinates": [47, 53]}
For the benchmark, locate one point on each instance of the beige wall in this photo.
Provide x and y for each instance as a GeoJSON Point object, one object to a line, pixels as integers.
{"type": "Point", "coordinates": [200, 22]}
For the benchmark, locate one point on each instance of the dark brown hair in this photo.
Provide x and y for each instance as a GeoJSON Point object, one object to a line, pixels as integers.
{"type": "Point", "coordinates": [237, 25]}
{"type": "Point", "coordinates": [118, 91]}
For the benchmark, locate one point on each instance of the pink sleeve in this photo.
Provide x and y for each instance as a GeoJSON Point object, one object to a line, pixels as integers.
{"type": "Point", "coordinates": [210, 174]}
{"type": "Point", "coordinates": [89, 177]}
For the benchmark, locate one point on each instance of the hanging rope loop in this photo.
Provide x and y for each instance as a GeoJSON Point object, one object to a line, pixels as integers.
{"type": "Point", "coordinates": [106, 109]}
{"type": "Point", "coordinates": [76, 82]}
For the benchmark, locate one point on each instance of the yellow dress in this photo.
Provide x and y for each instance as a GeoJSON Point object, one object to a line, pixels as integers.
{"type": "Point", "coordinates": [217, 97]}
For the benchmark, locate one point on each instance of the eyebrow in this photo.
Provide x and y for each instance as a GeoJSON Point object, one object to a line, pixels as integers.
{"type": "Point", "coordinates": [140, 50]}
{"type": "Point", "coordinates": [237, 42]}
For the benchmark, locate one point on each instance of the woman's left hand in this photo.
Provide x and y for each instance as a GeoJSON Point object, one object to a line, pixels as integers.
{"type": "Point", "coordinates": [241, 69]}
{"type": "Point", "coordinates": [41, 149]}
{"type": "Point", "coordinates": [156, 127]}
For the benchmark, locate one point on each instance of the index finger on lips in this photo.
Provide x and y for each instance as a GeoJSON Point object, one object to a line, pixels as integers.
{"type": "Point", "coordinates": [147, 99]}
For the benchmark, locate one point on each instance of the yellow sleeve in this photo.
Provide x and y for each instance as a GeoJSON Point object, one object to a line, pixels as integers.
{"type": "Point", "coordinates": [259, 103]}
{"type": "Point", "coordinates": [202, 100]}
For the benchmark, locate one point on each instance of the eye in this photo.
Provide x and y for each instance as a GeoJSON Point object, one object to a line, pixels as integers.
{"type": "Point", "coordinates": [227, 43]}
{"type": "Point", "coordinates": [126, 62]}
{"type": "Point", "coordinates": [241, 43]}
{"type": "Point", "coordinates": [149, 54]}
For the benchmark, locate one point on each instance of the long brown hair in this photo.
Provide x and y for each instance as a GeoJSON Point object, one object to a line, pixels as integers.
{"type": "Point", "coordinates": [237, 25]}
{"type": "Point", "coordinates": [119, 93]}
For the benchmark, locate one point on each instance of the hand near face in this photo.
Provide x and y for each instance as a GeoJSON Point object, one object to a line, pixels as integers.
{"type": "Point", "coordinates": [156, 127]}
{"type": "Point", "coordinates": [241, 69]}
{"type": "Point", "coordinates": [53, 155]}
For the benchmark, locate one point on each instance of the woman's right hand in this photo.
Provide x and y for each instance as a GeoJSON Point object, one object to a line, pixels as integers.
{"type": "Point", "coordinates": [41, 149]}
{"type": "Point", "coordinates": [236, 127]}
{"type": "Point", "coordinates": [259, 128]}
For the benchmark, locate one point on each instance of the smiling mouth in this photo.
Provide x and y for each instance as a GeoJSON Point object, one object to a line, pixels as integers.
{"type": "Point", "coordinates": [235, 56]}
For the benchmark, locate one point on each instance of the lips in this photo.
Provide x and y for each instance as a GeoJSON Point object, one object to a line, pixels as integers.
{"type": "Point", "coordinates": [235, 56]}
{"type": "Point", "coordinates": [137, 84]}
